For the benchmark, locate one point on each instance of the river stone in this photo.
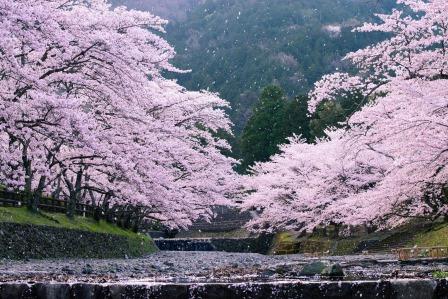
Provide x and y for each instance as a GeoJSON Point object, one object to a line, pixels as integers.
{"type": "Point", "coordinates": [334, 270]}
{"type": "Point", "coordinates": [68, 270]}
{"type": "Point", "coordinates": [322, 268]}
{"type": "Point", "coordinates": [314, 268]}
{"type": "Point", "coordinates": [87, 269]}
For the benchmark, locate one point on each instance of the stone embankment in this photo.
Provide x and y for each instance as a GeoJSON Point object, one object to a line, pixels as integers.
{"type": "Point", "coordinates": [390, 289]}
{"type": "Point", "coordinates": [24, 241]}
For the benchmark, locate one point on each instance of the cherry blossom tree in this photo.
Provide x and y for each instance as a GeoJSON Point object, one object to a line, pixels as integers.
{"type": "Point", "coordinates": [389, 164]}
{"type": "Point", "coordinates": [86, 113]}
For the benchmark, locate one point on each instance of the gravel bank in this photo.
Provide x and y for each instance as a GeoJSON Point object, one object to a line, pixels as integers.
{"type": "Point", "coordinates": [205, 267]}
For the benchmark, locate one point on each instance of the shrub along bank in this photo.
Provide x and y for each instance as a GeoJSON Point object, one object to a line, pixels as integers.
{"type": "Point", "coordinates": [46, 235]}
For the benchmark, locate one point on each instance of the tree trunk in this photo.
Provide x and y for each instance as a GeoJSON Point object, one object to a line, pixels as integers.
{"type": "Point", "coordinates": [108, 211]}
{"type": "Point", "coordinates": [75, 193]}
{"type": "Point", "coordinates": [37, 195]}
{"type": "Point", "coordinates": [127, 216]}
{"type": "Point", "coordinates": [27, 165]}
{"type": "Point", "coordinates": [71, 206]}
{"type": "Point", "coordinates": [56, 193]}
{"type": "Point", "coordinates": [96, 212]}
{"type": "Point", "coordinates": [138, 218]}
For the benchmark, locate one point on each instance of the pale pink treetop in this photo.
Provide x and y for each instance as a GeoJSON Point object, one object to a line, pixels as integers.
{"type": "Point", "coordinates": [388, 165]}
{"type": "Point", "coordinates": [86, 112]}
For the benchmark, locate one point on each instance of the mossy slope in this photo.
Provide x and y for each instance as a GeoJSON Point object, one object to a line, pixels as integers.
{"type": "Point", "coordinates": [418, 234]}
{"type": "Point", "coordinates": [436, 236]}
{"type": "Point", "coordinates": [55, 223]}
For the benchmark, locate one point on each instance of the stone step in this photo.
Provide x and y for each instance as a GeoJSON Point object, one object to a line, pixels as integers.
{"type": "Point", "coordinates": [389, 289]}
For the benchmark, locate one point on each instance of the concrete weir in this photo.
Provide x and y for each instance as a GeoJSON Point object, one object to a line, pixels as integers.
{"type": "Point", "coordinates": [259, 244]}
{"type": "Point", "coordinates": [390, 289]}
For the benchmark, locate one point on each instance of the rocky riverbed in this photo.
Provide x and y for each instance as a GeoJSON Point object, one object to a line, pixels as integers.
{"type": "Point", "coordinates": [197, 267]}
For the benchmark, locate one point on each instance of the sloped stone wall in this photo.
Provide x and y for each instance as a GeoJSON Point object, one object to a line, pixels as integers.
{"type": "Point", "coordinates": [21, 241]}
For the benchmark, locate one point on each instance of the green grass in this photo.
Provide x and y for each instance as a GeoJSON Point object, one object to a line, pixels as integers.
{"type": "Point", "coordinates": [23, 216]}
{"type": "Point", "coordinates": [315, 244]}
{"type": "Point", "coordinates": [286, 237]}
{"type": "Point", "coordinates": [437, 236]}
{"type": "Point", "coordinates": [282, 242]}
{"type": "Point", "coordinates": [343, 247]}
{"type": "Point", "coordinates": [138, 243]}
{"type": "Point", "coordinates": [440, 274]}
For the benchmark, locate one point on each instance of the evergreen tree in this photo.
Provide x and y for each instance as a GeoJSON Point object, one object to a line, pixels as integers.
{"type": "Point", "coordinates": [237, 47]}
{"type": "Point", "coordinates": [264, 131]}
{"type": "Point", "coordinates": [328, 114]}
{"type": "Point", "coordinates": [296, 120]}
{"type": "Point", "coordinates": [274, 119]}
{"type": "Point", "coordinates": [334, 113]}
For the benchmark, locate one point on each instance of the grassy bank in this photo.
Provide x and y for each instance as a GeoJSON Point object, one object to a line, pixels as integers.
{"type": "Point", "coordinates": [428, 235]}
{"type": "Point", "coordinates": [436, 236]}
{"type": "Point", "coordinates": [137, 244]}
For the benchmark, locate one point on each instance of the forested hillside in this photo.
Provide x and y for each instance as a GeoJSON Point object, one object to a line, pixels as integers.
{"type": "Point", "coordinates": [237, 47]}
{"type": "Point", "coordinates": [168, 9]}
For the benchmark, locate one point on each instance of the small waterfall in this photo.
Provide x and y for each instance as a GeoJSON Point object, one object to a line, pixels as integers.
{"type": "Point", "coordinates": [185, 244]}
{"type": "Point", "coordinates": [260, 244]}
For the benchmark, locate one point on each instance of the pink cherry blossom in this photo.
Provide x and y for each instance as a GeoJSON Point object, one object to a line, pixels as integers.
{"type": "Point", "coordinates": [389, 164]}
{"type": "Point", "coordinates": [87, 114]}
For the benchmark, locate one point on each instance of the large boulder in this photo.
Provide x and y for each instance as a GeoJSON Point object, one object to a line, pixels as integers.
{"type": "Point", "coordinates": [333, 270]}
{"type": "Point", "coordinates": [322, 268]}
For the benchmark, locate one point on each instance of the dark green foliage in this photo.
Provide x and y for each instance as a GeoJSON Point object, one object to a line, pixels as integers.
{"type": "Point", "coordinates": [236, 47]}
{"type": "Point", "coordinates": [334, 113]}
{"type": "Point", "coordinates": [264, 130]}
{"type": "Point", "coordinates": [274, 119]}
{"type": "Point", "coordinates": [295, 118]}
{"type": "Point", "coordinates": [328, 114]}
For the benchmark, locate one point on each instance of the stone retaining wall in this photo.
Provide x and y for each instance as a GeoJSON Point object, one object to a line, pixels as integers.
{"type": "Point", "coordinates": [20, 241]}
{"type": "Point", "coordinates": [260, 244]}
{"type": "Point", "coordinates": [394, 289]}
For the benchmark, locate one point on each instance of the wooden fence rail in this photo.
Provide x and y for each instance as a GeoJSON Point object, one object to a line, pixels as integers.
{"type": "Point", "coordinates": [48, 204]}
{"type": "Point", "coordinates": [16, 199]}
